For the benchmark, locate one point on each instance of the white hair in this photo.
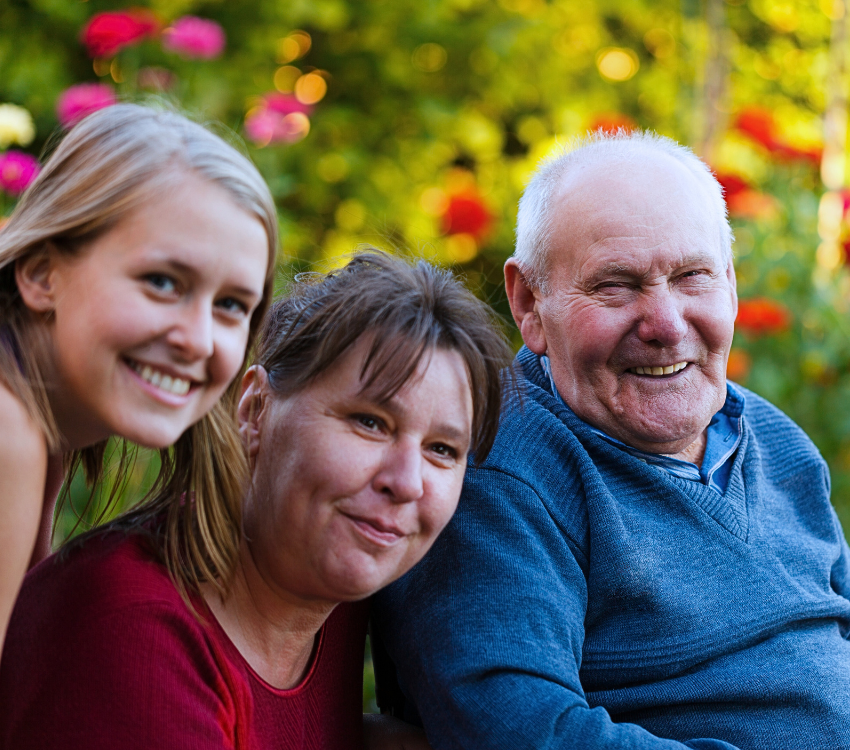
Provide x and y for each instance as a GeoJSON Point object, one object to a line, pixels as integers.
{"type": "Point", "coordinates": [534, 219]}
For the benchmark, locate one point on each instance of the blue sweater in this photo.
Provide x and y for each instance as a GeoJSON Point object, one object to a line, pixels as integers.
{"type": "Point", "coordinates": [581, 598]}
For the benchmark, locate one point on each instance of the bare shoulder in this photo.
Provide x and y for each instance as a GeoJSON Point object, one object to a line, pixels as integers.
{"type": "Point", "coordinates": [22, 443]}
{"type": "Point", "coordinates": [23, 472]}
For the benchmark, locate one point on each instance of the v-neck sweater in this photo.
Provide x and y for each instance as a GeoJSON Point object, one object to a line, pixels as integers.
{"type": "Point", "coordinates": [581, 598]}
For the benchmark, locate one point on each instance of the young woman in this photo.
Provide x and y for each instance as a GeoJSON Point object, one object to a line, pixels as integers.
{"type": "Point", "coordinates": [133, 274]}
{"type": "Point", "coordinates": [371, 386]}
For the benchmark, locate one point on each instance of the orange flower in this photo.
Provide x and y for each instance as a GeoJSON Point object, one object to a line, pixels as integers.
{"type": "Point", "coordinates": [738, 365]}
{"type": "Point", "coordinates": [759, 316]}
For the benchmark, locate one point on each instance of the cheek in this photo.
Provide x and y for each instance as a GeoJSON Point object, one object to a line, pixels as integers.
{"type": "Point", "coordinates": [438, 511]}
{"type": "Point", "coordinates": [230, 348]}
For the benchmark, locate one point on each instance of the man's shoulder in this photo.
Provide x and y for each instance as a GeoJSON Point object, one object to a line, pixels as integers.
{"type": "Point", "coordinates": [535, 441]}
{"type": "Point", "coordinates": [783, 446]}
{"type": "Point", "coordinates": [768, 420]}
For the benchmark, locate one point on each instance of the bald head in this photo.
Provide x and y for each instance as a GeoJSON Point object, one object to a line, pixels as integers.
{"type": "Point", "coordinates": [618, 164]}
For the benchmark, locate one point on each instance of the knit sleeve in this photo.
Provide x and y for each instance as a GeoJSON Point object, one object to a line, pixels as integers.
{"type": "Point", "coordinates": [110, 666]}
{"type": "Point", "coordinates": [487, 631]}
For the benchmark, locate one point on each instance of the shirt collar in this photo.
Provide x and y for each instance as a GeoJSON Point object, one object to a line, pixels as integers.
{"type": "Point", "coordinates": [723, 436]}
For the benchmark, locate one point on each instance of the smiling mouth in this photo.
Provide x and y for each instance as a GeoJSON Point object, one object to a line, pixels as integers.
{"type": "Point", "coordinates": [161, 380]}
{"type": "Point", "coordinates": [376, 532]}
{"type": "Point", "coordinates": [657, 372]}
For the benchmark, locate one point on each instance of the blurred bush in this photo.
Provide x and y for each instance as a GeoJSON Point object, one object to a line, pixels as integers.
{"type": "Point", "coordinates": [414, 125]}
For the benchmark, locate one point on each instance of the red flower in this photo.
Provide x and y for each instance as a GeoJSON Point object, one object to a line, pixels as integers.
{"type": "Point", "coordinates": [759, 125]}
{"type": "Point", "coordinates": [791, 153]}
{"type": "Point", "coordinates": [467, 214]}
{"type": "Point", "coordinates": [760, 315]}
{"type": "Point", "coordinates": [107, 33]}
{"type": "Point", "coordinates": [732, 184]}
{"type": "Point", "coordinates": [194, 38]}
{"type": "Point", "coordinates": [611, 122]}
{"type": "Point", "coordinates": [78, 101]}
{"type": "Point", "coordinates": [17, 171]}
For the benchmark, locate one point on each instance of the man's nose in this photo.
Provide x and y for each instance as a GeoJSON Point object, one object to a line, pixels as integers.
{"type": "Point", "coordinates": [661, 318]}
{"type": "Point", "coordinates": [192, 331]}
{"type": "Point", "coordinates": [400, 474]}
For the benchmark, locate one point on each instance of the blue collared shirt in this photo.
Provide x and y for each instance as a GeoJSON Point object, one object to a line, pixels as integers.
{"type": "Point", "coordinates": [722, 440]}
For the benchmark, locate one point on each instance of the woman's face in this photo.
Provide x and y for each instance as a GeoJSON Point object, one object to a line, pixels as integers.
{"type": "Point", "coordinates": [348, 493]}
{"type": "Point", "coordinates": [150, 321]}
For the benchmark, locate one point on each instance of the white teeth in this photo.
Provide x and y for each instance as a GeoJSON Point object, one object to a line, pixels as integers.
{"type": "Point", "coordinates": [656, 371]}
{"type": "Point", "coordinates": [177, 386]}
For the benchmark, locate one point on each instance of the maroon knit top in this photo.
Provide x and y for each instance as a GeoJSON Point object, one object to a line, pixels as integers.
{"type": "Point", "coordinates": [103, 653]}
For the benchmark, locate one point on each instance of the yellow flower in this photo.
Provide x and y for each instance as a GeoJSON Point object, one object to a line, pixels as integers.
{"type": "Point", "coordinates": [16, 126]}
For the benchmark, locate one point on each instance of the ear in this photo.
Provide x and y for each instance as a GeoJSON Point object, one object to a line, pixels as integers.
{"type": "Point", "coordinates": [252, 405]}
{"type": "Point", "coordinates": [733, 281]}
{"type": "Point", "coordinates": [524, 301]}
{"type": "Point", "coordinates": [35, 275]}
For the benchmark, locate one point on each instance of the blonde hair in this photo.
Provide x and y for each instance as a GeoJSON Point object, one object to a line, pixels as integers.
{"type": "Point", "coordinates": [107, 166]}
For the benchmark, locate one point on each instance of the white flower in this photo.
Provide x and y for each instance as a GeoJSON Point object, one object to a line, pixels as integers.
{"type": "Point", "coordinates": [16, 126]}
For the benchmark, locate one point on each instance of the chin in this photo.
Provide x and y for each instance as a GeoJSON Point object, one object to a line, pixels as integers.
{"type": "Point", "coordinates": [153, 438]}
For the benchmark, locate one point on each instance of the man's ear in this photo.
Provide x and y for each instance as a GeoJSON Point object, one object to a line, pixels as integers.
{"type": "Point", "coordinates": [524, 299]}
{"type": "Point", "coordinates": [35, 275]}
{"type": "Point", "coordinates": [730, 274]}
{"type": "Point", "coordinates": [252, 407]}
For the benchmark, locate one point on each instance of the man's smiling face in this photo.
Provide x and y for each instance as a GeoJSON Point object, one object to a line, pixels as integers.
{"type": "Point", "coordinates": [641, 307]}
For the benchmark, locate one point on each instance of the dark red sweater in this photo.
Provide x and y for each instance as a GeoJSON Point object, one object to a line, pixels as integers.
{"type": "Point", "coordinates": [103, 653]}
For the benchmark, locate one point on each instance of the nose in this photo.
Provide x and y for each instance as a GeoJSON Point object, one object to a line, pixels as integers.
{"type": "Point", "coordinates": [192, 330]}
{"type": "Point", "coordinates": [661, 318]}
{"type": "Point", "coordinates": [400, 474]}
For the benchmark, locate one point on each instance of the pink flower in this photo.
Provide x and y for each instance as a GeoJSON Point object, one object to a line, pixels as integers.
{"type": "Point", "coordinates": [17, 171]}
{"type": "Point", "coordinates": [286, 104]}
{"type": "Point", "coordinates": [78, 101]}
{"type": "Point", "coordinates": [280, 118]}
{"type": "Point", "coordinates": [107, 33]}
{"type": "Point", "coordinates": [195, 38]}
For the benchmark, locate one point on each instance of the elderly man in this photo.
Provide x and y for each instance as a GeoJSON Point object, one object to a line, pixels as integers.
{"type": "Point", "coordinates": [648, 558]}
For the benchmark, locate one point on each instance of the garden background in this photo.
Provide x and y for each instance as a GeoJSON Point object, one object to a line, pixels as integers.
{"type": "Point", "coordinates": [413, 125]}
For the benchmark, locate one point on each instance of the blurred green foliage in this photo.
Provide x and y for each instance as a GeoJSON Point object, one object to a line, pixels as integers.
{"type": "Point", "coordinates": [431, 100]}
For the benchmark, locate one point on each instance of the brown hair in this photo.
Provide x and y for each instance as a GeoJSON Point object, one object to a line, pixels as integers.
{"type": "Point", "coordinates": [107, 166]}
{"type": "Point", "coordinates": [408, 309]}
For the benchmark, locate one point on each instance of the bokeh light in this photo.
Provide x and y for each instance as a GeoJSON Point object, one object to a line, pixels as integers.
{"type": "Point", "coordinates": [617, 63]}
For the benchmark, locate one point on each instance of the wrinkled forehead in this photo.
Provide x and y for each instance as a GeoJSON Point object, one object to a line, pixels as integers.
{"type": "Point", "coordinates": [650, 202]}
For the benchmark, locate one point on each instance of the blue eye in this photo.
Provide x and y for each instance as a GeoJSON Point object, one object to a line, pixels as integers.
{"type": "Point", "coordinates": [161, 282]}
{"type": "Point", "coordinates": [233, 306]}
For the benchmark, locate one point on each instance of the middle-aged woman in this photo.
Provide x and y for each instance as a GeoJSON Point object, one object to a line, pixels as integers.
{"type": "Point", "coordinates": [370, 387]}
